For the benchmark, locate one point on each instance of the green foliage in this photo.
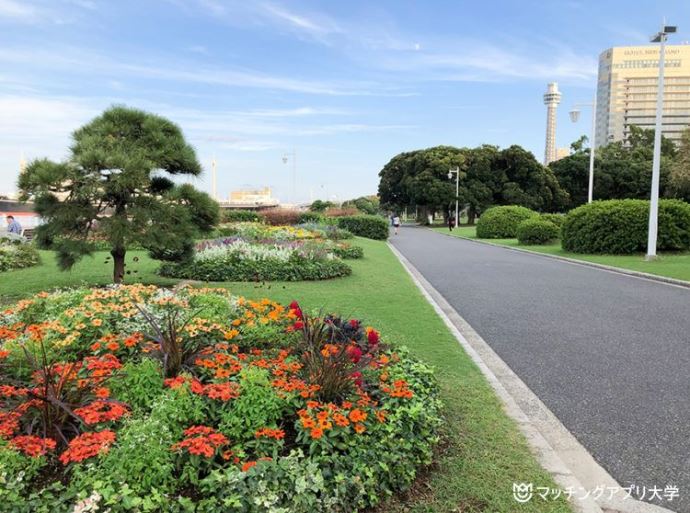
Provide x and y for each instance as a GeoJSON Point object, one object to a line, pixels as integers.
{"type": "Point", "coordinates": [371, 227]}
{"type": "Point", "coordinates": [679, 178]}
{"type": "Point", "coordinates": [139, 384]}
{"type": "Point", "coordinates": [502, 222]}
{"type": "Point", "coordinates": [320, 205]}
{"type": "Point", "coordinates": [557, 219]}
{"type": "Point", "coordinates": [537, 230]}
{"type": "Point", "coordinates": [622, 169]}
{"type": "Point", "coordinates": [241, 216]}
{"type": "Point", "coordinates": [365, 204]}
{"type": "Point", "coordinates": [488, 176]}
{"type": "Point", "coordinates": [311, 217]}
{"type": "Point", "coordinates": [232, 267]}
{"type": "Point", "coordinates": [110, 184]}
{"type": "Point", "coordinates": [17, 254]}
{"type": "Point", "coordinates": [348, 251]}
{"type": "Point", "coordinates": [141, 458]}
{"type": "Point", "coordinates": [257, 406]}
{"type": "Point", "coordinates": [620, 227]}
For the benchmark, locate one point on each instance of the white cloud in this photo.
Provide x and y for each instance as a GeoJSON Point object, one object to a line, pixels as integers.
{"type": "Point", "coordinates": [18, 11]}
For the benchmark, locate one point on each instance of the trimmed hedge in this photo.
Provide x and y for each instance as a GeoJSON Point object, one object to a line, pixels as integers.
{"type": "Point", "coordinates": [242, 216]}
{"type": "Point", "coordinates": [234, 268]}
{"type": "Point", "coordinates": [537, 230]}
{"type": "Point", "coordinates": [502, 222]}
{"type": "Point", "coordinates": [371, 227]}
{"type": "Point", "coordinates": [281, 216]}
{"type": "Point", "coordinates": [557, 219]}
{"type": "Point", "coordinates": [620, 227]}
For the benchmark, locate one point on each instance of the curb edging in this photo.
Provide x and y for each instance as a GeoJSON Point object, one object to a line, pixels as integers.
{"type": "Point", "coordinates": [538, 424]}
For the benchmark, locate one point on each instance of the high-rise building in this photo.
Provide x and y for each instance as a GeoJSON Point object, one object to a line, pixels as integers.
{"type": "Point", "coordinates": [552, 98]}
{"type": "Point", "coordinates": [627, 88]}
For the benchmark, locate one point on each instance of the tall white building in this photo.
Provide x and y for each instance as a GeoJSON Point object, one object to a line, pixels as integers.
{"type": "Point", "coordinates": [552, 98]}
{"type": "Point", "coordinates": [627, 88]}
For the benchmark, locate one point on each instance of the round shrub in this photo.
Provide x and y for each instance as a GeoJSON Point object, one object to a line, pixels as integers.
{"type": "Point", "coordinates": [557, 219]}
{"type": "Point", "coordinates": [241, 216]}
{"type": "Point", "coordinates": [371, 227]}
{"type": "Point", "coordinates": [620, 227]}
{"type": "Point", "coordinates": [322, 416]}
{"type": "Point", "coordinates": [17, 253]}
{"type": "Point", "coordinates": [502, 222]}
{"type": "Point", "coordinates": [536, 231]}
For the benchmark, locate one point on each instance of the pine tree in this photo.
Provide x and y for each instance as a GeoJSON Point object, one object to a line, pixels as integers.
{"type": "Point", "coordinates": [114, 185]}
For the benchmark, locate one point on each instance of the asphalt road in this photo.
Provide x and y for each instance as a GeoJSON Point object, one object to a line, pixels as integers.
{"type": "Point", "coordinates": [609, 354]}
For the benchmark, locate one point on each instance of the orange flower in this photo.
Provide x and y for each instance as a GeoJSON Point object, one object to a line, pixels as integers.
{"type": "Point", "coordinates": [359, 428]}
{"type": "Point", "coordinates": [102, 393]}
{"type": "Point", "coordinates": [248, 465]}
{"type": "Point", "coordinates": [33, 446]}
{"type": "Point", "coordinates": [308, 422]}
{"type": "Point", "coordinates": [316, 433]}
{"type": "Point", "coordinates": [112, 346]}
{"type": "Point", "coordinates": [357, 415]}
{"type": "Point", "coordinates": [96, 322]}
{"type": "Point", "coordinates": [87, 445]}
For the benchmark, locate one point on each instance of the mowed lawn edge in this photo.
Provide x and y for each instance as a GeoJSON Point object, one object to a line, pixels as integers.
{"type": "Point", "coordinates": [482, 452]}
{"type": "Point", "coordinates": [669, 265]}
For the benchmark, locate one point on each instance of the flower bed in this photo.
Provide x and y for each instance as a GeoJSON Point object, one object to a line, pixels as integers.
{"type": "Point", "coordinates": [234, 259]}
{"type": "Point", "coordinates": [258, 231]}
{"type": "Point", "coordinates": [142, 399]}
{"type": "Point", "coordinates": [17, 253]}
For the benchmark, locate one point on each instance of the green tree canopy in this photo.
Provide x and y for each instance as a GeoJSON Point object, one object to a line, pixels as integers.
{"type": "Point", "coordinates": [367, 204]}
{"type": "Point", "coordinates": [114, 183]}
{"type": "Point", "coordinates": [679, 177]}
{"type": "Point", "coordinates": [488, 176]}
{"type": "Point", "coordinates": [622, 169]}
{"type": "Point", "coordinates": [320, 205]}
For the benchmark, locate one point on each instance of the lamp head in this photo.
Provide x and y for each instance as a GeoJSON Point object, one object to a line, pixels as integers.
{"type": "Point", "coordinates": [450, 175]}
{"type": "Point", "coordinates": [285, 160]}
{"type": "Point", "coordinates": [574, 115]}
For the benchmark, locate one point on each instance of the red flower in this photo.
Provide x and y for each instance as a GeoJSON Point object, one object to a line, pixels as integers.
{"type": "Point", "coordinates": [87, 445]}
{"type": "Point", "coordinates": [9, 423]}
{"type": "Point", "coordinates": [298, 325]}
{"type": "Point", "coordinates": [373, 336]}
{"type": "Point", "coordinates": [355, 354]}
{"type": "Point", "coordinates": [101, 411]}
{"type": "Point", "coordinates": [33, 446]}
{"type": "Point", "coordinates": [295, 308]}
{"type": "Point", "coordinates": [354, 324]}
{"type": "Point", "coordinates": [222, 391]}
{"type": "Point", "coordinates": [201, 441]}
{"type": "Point", "coordinates": [357, 376]}
{"type": "Point", "coordinates": [248, 465]}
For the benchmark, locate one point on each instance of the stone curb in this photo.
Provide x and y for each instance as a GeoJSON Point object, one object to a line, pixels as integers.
{"type": "Point", "coordinates": [550, 441]}
{"type": "Point", "coordinates": [604, 267]}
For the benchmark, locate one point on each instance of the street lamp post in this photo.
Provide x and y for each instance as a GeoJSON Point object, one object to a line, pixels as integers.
{"type": "Point", "coordinates": [574, 116]}
{"type": "Point", "coordinates": [292, 156]}
{"type": "Point", "coordinates": [451, 172]}
{"type": "Point", "coordinates": [660, 38]}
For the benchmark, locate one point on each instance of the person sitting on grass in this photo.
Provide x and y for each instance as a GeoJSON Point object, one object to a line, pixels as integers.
{"type": "Point", "coordinates": [13, 226]}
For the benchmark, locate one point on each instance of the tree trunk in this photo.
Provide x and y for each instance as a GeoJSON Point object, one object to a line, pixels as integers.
{"type": "Point", "coordinates": [118, 264]}
{"type": "Point", "coordinates": [471, 214]}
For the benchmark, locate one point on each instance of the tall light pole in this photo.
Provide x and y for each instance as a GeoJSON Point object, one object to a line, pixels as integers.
{"type": "Point", "coordinates": [574, 116]}
{"type": "Point", "coordinates": [456, 171]}
{"type": "Point", "coordinates": [292, 156]}
{"type": "Point", "coordinates": [660, 38]}
{"type": "Point", "coordinates": [214, 183]}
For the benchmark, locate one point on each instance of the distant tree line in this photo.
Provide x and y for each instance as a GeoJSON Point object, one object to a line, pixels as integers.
{"type": "Point", "coordinates": [513, 176]}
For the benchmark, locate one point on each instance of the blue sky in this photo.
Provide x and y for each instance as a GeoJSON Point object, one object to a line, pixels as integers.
{"type": "Point", "coordinates": [347, 85]}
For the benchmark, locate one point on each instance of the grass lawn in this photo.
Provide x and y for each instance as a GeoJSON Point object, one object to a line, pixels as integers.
{"type": "Point", "coordinates": [671, 265]}
{"type": "Point", "coordinates": [482, 453]}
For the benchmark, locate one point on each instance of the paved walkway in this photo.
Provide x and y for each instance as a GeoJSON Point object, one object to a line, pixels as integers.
{"type": "Point", "coordinates": [609, 354]}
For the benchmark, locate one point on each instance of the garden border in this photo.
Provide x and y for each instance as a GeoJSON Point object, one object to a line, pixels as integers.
{"type": "Point", "coordinates": [549, 440]}
{"type": "Point", "coordinates": [603, 267]}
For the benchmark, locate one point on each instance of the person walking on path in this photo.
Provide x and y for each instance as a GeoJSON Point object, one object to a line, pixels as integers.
{"type": "Point", "coordinates": [396, 223]}
{"type": "Point", "coordinates": [13, 226]}
{"type": "Point", "coordinates": [451, 222]}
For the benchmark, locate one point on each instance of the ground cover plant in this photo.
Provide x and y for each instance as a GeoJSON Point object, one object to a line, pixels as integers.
{"type": "Point", "coordinates": [17, 253]}
{"type": "Point", "coordinates": [136, 398]}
